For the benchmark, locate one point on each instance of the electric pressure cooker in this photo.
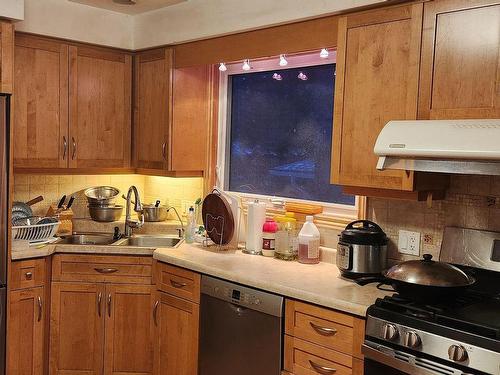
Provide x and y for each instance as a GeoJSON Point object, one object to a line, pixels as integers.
{"type": "Point", "coordinates": [362, 250]}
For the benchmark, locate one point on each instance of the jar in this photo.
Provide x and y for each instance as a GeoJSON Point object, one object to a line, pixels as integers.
{"type": "Point", "coordinates": [309, 238]}
{"type": "Point", "coordinates": [269, 230]}
{"type": "Point", "coordinates": [287, 245]}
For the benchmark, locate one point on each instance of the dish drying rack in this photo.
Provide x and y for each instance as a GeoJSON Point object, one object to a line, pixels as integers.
{"type": "Point", "coordinates": [219, 230]}
{"type": "Point", "coordinates": [35, 233]}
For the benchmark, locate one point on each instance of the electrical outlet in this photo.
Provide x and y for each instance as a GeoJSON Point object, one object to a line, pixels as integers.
{"type": "Point", "coordinates": [409, 242]}
{"type": "Point", "coordinates": [185, 206]}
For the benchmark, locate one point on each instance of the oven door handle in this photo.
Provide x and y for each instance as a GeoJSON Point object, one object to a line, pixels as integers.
{"type": "Point", "coordinates": [384, 357]}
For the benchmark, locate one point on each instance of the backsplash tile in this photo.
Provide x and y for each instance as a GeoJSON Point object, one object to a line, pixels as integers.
{"type": "Point", "coordinates": [471, 201]}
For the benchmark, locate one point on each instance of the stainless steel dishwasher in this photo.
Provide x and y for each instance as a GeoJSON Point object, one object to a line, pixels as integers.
{"type": "Point", "coordinates": [241, 330]}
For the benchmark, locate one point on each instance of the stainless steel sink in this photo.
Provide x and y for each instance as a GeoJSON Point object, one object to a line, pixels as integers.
{"type": "Point", "coordinates": [87, 239]}
{"type": "Point", "coordinates": [145, 240]}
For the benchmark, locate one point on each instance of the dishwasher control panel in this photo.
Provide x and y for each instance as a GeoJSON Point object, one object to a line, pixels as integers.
{"type": "Point", "coordinates": [241, 295]}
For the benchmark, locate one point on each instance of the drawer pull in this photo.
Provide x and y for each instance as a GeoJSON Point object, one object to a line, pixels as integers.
{"type": "Point", "coordinates": [177, 284]}
{"type": "Point", "coordinates": [323, 330]}
{"type": "Point", "coordinates": [106, 270]}
{"type": "Point", "coordinates": [322, 369]}
{"type": "Point", "coordinates": [28, 275]}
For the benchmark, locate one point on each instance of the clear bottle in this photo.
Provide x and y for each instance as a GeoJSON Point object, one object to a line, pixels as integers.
{"type": "Point", "coordinates": [309, 242]}
{"type": "Point", "coordinates": [287, 245]}
{"type": "Point", "coordinates": [191, 226]}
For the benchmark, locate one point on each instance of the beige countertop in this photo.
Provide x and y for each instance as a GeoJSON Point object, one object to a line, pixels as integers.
{"type": "Point", "coordinates": [320, 284]}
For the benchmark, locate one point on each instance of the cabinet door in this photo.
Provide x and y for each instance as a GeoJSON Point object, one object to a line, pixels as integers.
{"type": "Point", "coordinates": [77, 329]}
{"type": "Point", "coordinates": [152, 108]}
{"type": "Point", "coordinates": [40, 103]}
{"type": "Point", "coordinates": [377, 81]}
{"type": "Point", "coordinates": [191, 118]}
{"type": "Point", "coordinates": [99, 108]}
{"type": "Point", "coordinates": [25, 345]}
{"type": "Point", "coordinates": [129, 329]}
{"type": "Point", "coordinates": [460, 75]}
{"type": "Point", "coordinates": [176, 345]}
{"type": "Point", "coordinates": [6, 57]}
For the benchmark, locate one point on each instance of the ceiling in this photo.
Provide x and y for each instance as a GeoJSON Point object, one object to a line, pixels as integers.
{"type": "Point", "coordinates": [141, 6]}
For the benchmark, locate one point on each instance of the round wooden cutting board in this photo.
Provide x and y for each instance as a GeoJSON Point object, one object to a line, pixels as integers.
{"type": "Point", "coordinates": [218, 218]}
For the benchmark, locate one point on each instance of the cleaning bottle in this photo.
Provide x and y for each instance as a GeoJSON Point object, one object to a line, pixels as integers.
{"type": "Point", "coordinates": [191, 226]}
{"type": "Point", "coordinates": [309, 242]}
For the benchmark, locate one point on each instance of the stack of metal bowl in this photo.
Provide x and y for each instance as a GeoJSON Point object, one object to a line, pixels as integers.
{"type": "Point", "coordinates": [102, 206]}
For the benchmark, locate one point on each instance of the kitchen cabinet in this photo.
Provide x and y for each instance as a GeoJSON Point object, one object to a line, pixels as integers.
{"type": "Point", "coordinates": [172, 115]}
{"type": "Point", "coordinates": [377, 80]}
{"type": "Point", "coordinates": [26, 328]}
{"type": "Point", "coordinates": [40, 103]}
{"type": "Point", "coordinates": [6, 57]}
{"type": "Point", "coordinates": [460, 67]}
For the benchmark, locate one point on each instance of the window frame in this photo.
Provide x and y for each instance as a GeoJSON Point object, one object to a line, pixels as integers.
{"type": "Point", "coordinates": [335, 213]}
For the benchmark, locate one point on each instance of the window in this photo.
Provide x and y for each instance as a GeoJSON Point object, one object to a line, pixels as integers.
{"type": "Point", "coordinates": [277, 130]}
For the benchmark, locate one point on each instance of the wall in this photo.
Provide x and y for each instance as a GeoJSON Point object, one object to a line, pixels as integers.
{"type": "Point", "coordinates": [471, 201]}
{"type": "Point", "coordinates": [171, 191]}
{"type": "Point", "coordinates": [12, 9]}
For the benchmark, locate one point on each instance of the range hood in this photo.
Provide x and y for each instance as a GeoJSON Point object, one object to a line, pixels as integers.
{"type": "Point", "coordinates": [445, 146]}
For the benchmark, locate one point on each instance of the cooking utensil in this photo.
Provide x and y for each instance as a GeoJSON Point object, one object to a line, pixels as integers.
{"type": "Point", "coordinates": [102, 196]}
{"type": "Point", "coordinates": [362, 250]}
{"type": "Point", "coordinates": [61, 202]}
{"type": "Point", "coordinates": [157, 203]}
{"type": "Point", "coordinates": [105, 214]}
{"type": "Point", "coordinates": [21, 209]}
{"type": "Point", "coordinates": [424, 280]}
{"type": "Point", "coordinates": [70, 202]}
{"type": "Point", "coordinates": [153, 213]}
{"type": "Point", "coordinates": [218, 218]}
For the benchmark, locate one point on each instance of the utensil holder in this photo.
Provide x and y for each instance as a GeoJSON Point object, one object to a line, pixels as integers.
{"type": "Point", "coordinates": [65, 216]}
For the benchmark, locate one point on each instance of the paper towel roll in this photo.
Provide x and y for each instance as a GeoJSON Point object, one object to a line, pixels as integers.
{"type": "Point", "coordinates": [255, 220]}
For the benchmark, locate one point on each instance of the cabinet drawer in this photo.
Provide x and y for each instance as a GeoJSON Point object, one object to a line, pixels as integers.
{"type": "Point", "coordinates": [178, 281]}
{"type": "Point", "coordinates": [102, 268]}
{"type": "Point", "coordinates": [28, 273]}
{"type": "Point", "coordinates": [305, 358]}
{"type": "Point", "coordinates": [331, 329]}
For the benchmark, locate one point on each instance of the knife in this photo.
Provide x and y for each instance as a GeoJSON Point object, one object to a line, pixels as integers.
{"type": "Point", "coordinates": [61, 202]}
{"type": "Point", "coordinates": [70, 202]}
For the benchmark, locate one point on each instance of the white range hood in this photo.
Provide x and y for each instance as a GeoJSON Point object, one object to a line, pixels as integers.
{"type": "Point", "coordinates": [446, 146]}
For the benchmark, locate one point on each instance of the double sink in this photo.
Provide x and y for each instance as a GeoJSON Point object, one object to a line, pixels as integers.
{"type": "Point", "coordinates": [137, 240]}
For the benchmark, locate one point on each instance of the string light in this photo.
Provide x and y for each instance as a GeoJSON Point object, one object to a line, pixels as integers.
{"type": "Point", "coordinates": [277, 77]}
{"type": "Point", "coordinates": [324, 53]}
{"type": "Point", "coordinates": [283, 61]}
{"type": "Point", "coordinates": [302, 76]}
{"type": "Point", "coordinates": [246, 65]}
{"type": "Point", "coordinates": [222, 67]}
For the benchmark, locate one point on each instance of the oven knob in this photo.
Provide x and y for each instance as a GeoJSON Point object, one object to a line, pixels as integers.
{"type": "Point", "coordinates": [412, 340]}
{"type": "Point", "coordinates": [457, 353]}
{"type": "Point", "coordinates": [390, 331]}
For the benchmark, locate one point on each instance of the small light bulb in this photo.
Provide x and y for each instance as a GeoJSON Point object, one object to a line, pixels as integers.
{"type": "Point", "coordinates": [246, 65]}
{"type": "Point", "coordinates": [222, 67]}
{"type": "Point", "coordinates": [283, 61]}
{"type": "Point", "coordinates": [277, 77]}
{"type": "Point", "coordinates": [324, 53]}
{"type": "Point", "coordinates": [302, 76]}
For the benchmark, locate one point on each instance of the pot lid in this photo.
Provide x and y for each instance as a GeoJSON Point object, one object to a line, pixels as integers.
{"type": "Point", "coordinates": [363, 232]}
{"type": "Point", "coordinates": [428, 272]}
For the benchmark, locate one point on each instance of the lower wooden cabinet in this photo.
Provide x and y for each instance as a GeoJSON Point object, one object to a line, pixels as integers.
{"type": "Point", "coordinates": [25, 351]}
{"type": "Point", "coordinates": [176, 344]}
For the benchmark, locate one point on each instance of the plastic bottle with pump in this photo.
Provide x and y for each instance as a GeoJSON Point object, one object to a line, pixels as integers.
{"type": "Point", "coordinates": [191, 226]}
{"type": "Point", "coordinates": [309, 242]}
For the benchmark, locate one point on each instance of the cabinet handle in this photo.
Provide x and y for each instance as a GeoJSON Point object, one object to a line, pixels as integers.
{"type": "Point", "coordinates": [177, 284]}
{"type": "Point", "coordinates": [164, 150]}
{"type": "Point", "coordinates": [323, 330]}
{"type": "Point", "coordinates": [28, 275]}
{"type": "Point", "coordinates": [322, 369]}
{"type": "Point", "coordinates": [74, 148]}
{"type": "Point", "coordinates": [106, 270]}
{"type": "Point", "coordinates": [109, 305]}
{"type": "Point", "coordinates": [155, 311]}
{"type": "Point", "coordinates": [65, 147]}
{"type": "Point", "coordinates": [99, 302]}
{"type": "Point", "coordinates": [40, 308]}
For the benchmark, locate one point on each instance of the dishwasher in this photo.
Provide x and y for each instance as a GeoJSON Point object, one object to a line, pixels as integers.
{"type": "Point", "coordinates": [240, 330]}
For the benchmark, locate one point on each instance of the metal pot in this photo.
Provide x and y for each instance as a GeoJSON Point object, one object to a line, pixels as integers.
{"type": "Point", "coordinates": [105, 214]}
{"type": "Point", "coordinates": [101, 196]}
{"type": "Point", "coordinates": [154, 214]}
{"type": "Point", "coordinates": [425, 279]}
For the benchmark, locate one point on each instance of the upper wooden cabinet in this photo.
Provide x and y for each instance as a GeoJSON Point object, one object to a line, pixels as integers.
{"type": "Point", "coordinates": [460, 68]}
{"type": "Point", "coordinates": [6, 57]}
{"type": "Point", "coordinates": [40, 103]}
{"type": "Point", "coordinates": [100, 90]}
{"type": "Point", "coordinates": [172, 109]}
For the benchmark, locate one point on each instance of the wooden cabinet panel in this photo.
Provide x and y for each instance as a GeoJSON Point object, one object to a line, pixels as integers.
{"type": "Point", "coordinates": [6, 57]}
{"type": "Point", "coordinates": [77, 329]}
{"type": "Point", "coordinates": [460, 75]}
{"type": "Point", "coordinates": [178, 281]}
{"type": "Point", "coordinates": [40, 103]}
{"type": "Point", "coordinates": [129, 329]}
{"type": "Point", "coordinates": [176, 344]}
{"type": "Point", "coordinates": [152, 108]}
{"type": "Point", "coordinates": [191, 118]}
{"type": "Point", "coordinates": [26, 325]}
{"type": "Point", "coordinates": [27, 273]}
{"type": "Point", "coordinates": [377, 81]}
{"type": "Point", "coordinates": [99, 108]}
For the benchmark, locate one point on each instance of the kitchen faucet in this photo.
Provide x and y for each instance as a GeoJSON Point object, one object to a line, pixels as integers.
{"type": "Point", "coordinates": [129, 224]}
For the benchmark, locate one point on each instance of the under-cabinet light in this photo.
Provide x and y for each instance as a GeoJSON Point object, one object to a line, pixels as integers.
{"type": "Point", "coordinates": [246, 65]}
{"type": "Point", "coordinates": [324, 53]}
{"type": "Point", "coordinates": [222, 67]}
{"type": "Point", "coordinates": [283, 61]}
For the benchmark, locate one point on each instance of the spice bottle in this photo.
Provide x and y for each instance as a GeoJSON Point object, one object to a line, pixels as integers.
{"type": "Point", "coordinates": [309, 242]}
{"type": "Point", "coordinates": [269, 230]}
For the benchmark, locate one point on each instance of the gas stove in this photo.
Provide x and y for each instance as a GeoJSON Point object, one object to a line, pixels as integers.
{"type": "Point", "coordinates": [461, 336]}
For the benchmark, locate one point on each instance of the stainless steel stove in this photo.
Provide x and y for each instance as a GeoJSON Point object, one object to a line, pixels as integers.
{"type": "Point", "coordinates": [460, 337]}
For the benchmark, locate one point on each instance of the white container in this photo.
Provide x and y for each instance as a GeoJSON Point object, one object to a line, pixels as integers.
{"type": "Point", "coordinates": [255, 219]}
{"type": "Point", "coordinates": [309, 242]}
{"type": "Point", "coordinates": [190, 227]}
